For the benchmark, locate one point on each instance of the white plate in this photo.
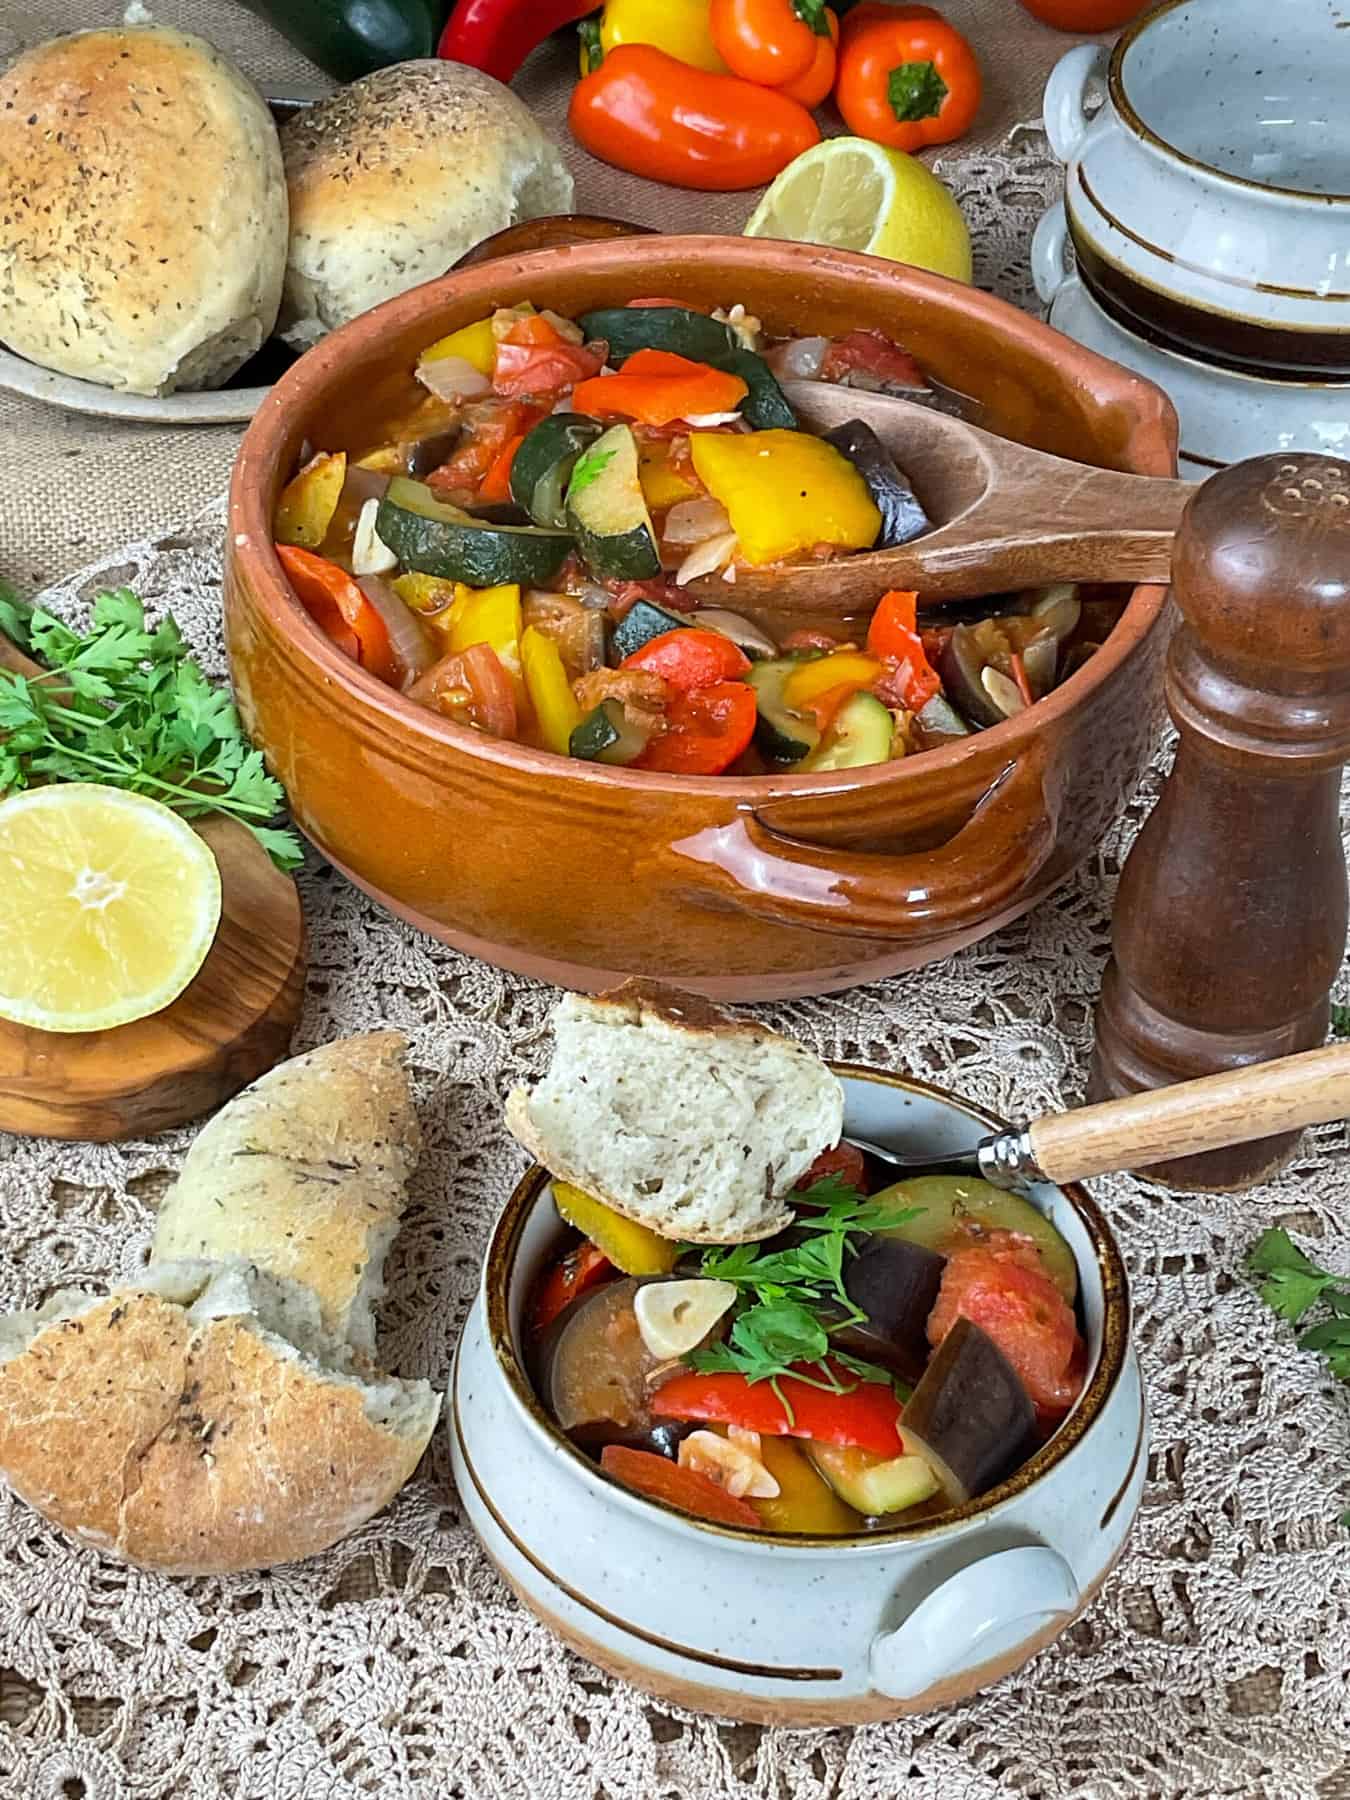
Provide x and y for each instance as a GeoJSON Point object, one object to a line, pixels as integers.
{"type": "Point", "coordinates": [220, 406]}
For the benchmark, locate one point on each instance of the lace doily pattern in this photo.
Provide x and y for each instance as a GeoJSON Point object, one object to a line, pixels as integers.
{"type": "Point", "coordinates": [398, 1666]}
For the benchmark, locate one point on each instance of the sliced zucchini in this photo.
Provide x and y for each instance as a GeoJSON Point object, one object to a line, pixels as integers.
{"type": "Point", "coordinates": [629, 328]}
{"type": "Point", "coordinates": [643, 622]}
{"type": "Point", "coordinates": [766, 405]}
{"type": "Point", "coordinates": [607, 735]}
{"type": "Point", "coordinates": [607, 510]}
{"type": "Point", "coordinates": [434, 538]}
{"type": "Point", "coordinates": [780, 733]}
{"type": "Point", "coordinates": [872, 1484]}
{"type": "Point", "coordinates": [542, 466]}
{"type": "Point", "coordinates": [860, 734]}
{"type": "Point", "coordinates": [957, 1209]}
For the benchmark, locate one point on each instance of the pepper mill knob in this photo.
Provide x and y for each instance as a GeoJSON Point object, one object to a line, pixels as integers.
{"type": "Point", "coordinates": [1230, 920]}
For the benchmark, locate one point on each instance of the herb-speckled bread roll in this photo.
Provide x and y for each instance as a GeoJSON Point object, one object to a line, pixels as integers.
{"type": "Point", "coordinates": [142, 210]}
{"type": "Point", "coordinates": [392, 179]}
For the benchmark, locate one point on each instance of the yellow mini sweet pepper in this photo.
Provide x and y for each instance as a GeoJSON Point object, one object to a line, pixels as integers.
{"type": "Point", "coordinates": [308, 502]}
{"type": "Point", "coordinates": [841, 669]}
{"type": "Point", "coordinates": [555, 708]}
{"type": "Point", "coordinates": [487, 616]}
{"type": "Point", "coordinates": [628, 1245]}
{"type": "Point", "coordinates": [785, 491]}
{"type": "Point", "coordinates": [475, 343]}
{"type": "Point", "coordinates": [679, 27]}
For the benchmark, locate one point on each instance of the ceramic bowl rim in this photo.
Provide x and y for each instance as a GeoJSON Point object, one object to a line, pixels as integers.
{"type": "Point", "coordinates": [312, 658]}
{"type": "Point", "coordinates": [495, 1292]}
{"type": "Point", "coordinates": [1161, 146]}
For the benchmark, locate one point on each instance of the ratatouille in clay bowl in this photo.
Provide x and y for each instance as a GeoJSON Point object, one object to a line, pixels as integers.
{"type": "Point", "coordinates": [483, 620]}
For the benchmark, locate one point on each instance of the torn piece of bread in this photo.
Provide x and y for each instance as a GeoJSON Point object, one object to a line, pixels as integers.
{"type": "Point", "coordinates": [697, 1125]}
{"type": "Point", "coordinates": [201, 1422]}
{"type": "Point", "coordinates": [305, 1174]}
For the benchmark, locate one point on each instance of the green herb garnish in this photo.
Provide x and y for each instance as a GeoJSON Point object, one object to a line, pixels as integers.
{"type": "Point", "coordinates": [776, 1325]}
{"type": "Point", "coordinates": [127, 706]}
{"type": "Point", "coordinates": [1340, 1019]}
{"type": "Point", "coordinates": [589, 468]}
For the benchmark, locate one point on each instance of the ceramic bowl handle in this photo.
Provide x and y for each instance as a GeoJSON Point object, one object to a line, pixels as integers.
{"type": "Point", "coordinates": [981, 1613]}
{"type": "Point", "coordinates": [1065, 111]}
{"type": "Point", "coordinates": [905, 898]}
{"type": "Point", "coordinates": [1048, 244]}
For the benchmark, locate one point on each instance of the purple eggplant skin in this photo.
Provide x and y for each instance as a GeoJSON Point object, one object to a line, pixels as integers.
{"type": "Point", "coordinates": [970, 1415]}
{"type": "Point", "coordinates": [896, 1284]}
{"type": "Point", "coordinates": [902, 516]}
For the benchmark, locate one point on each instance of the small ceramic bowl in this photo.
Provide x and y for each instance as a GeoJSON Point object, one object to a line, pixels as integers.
{"type": "Point", "coordinates": [1208, 200]}
{"type": "Point", "coordinates": [798, 1630]}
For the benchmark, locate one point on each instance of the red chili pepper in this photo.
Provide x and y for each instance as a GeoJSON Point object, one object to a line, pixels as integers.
{"type": "Point", "coordinates": [337, 606]}
{"type": "Point", "coordinates": [690, 1490]}
{"type": "Point", "coordinates": [708, 730]}
{"type": "Point", "coordinates": [497, 35]}
{"type": "Point", "coordinates": [496, 484]}
{"type": "Point", "coordinates": [893, 634]}
{"type": "Point", "coordinates": [690, 659]}
{"type": "Point", "coordinates": [581, 1269]}
{"type": "Point", "coordinates": [867, 1415]}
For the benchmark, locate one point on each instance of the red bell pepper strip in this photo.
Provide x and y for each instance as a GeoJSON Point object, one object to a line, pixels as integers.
{"type": "Point", "coordinates": [657, 386]}
{"type": "Point", "coordinates": [497, 35]}
{"type": "Point", "coordinates": [579, 1271]}
{"type": "Point", "coordinates": [337, 606]}
{"type": "Point", "coordinates": [690, 659]}
{"type": "Point", "coordinates": [867, 1415]}
{"type": "Point", "coordinates": [657, 1478]}
{"type": "Point", "coordinates": [496, 484]}
{"type": "Point", "coordinates": [893, 634]}
{"type": "Point", "coordinates": [708, 730]}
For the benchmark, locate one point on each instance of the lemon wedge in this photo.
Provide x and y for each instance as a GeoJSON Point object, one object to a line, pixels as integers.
{"type": "Point", "coordinates": [856, 195]}
{"type": "Point", "coordinates": [110, 905]}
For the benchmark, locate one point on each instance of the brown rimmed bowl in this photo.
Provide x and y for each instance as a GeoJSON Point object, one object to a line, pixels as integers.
{"type": "Point", "coordinates": [741, 888]}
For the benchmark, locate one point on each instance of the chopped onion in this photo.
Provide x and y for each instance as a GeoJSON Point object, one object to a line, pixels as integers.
{"type": "Point", "coordinates": [691, 521]}
{"type": "Point", "coordinates": [565, 328]}
{"type": "Point", "coordinates": [706, 421]}
{"type": "Point", "coordinates": [370, 554]}
{"type": "Point", "coordinates": [704, 558]}
{"type": "Point", "coordinates": [408, 638]}
{"type": "Point", "coordinates": [739, 629]}
{"type": "Point", "coordinates": [801, 359]}
{"type": "Point", "coordinates": [453, 378]}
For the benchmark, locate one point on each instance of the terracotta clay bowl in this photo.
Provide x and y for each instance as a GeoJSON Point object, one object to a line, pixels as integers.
{"type": "Point", "coordinates": [741, 888]}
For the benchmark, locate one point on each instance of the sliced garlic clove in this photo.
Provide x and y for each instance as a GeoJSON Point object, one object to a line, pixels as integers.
{"type": "Point", "coordinates": [370, 554]}
{"type": "Point", "coordinates": [1005, 694]}
{"type": "Point", "coordinates": [675, 1316]}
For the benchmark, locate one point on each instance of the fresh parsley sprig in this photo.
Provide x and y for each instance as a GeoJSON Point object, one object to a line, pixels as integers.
{"type": "Point", "coordinates": [776, 1326]}
{"type": "Point", "coordinates": [127, 706]}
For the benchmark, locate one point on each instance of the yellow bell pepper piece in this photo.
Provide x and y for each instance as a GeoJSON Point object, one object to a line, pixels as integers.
{"type": "Point", "coordinates": [805, 1501]}
{"type": "Point", "coordinates": [679, 27]}
{"type": "Point", "coordinates": [308, 501]}
{"type": "Point", "coordinates": [475, 343]}
{"type": "Point", "coordinates": [628, 1245]}
{"type": "Point", "coordinates": [425, 594]}
{"type": "Point", "coordinates": [785, 491]}
{"type": "Point", "coordinates": [386, 460]}
{"type": "Point", "coordinates": [842, 668]}
{"type": "Point", "coordinates": [555, 708]}
{"type": "Point", "coordinates": [662, 486]}
{"type": "Point", "coordinates": [487, 616]}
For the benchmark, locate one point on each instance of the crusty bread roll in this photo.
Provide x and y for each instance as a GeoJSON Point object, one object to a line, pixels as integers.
{"type": "Point", "coordinates": [305, 1174]}
{"type": "Point", "coordinates": [201, 1422]}
{"type": "Point", "coordinates": [144, 210]}
{"type": "Point", "coordinates": [692, 1123]}
{"type": "Point", "coordinates": [392, 179]}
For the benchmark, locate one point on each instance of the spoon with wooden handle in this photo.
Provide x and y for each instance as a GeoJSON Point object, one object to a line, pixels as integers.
{"type": "Point", "coordinates": [1236, 1107]}
{"type": "Point", "coordinates": [1005, 517]}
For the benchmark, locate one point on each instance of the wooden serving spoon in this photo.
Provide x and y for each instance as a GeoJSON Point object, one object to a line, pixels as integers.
{"type": "Point", "coordinates": [1004, 517]}
{"type": "Point", "coordinates": [1236, 1107]}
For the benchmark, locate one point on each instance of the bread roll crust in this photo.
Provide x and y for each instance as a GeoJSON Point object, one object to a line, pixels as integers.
{"type": "Point", "coordinates": [142, 210]}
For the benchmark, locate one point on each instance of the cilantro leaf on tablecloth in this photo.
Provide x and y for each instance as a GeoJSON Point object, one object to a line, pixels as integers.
{"type": "Point", "coordinates": [1340, 1019]}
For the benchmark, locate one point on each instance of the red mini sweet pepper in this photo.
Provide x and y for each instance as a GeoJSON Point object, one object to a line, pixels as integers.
{"type": "Point", "coordinates": [497, 35]}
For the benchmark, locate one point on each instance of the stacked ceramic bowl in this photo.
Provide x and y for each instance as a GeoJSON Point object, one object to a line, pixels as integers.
{"type": "Point", "coordinates": [1207, 203]}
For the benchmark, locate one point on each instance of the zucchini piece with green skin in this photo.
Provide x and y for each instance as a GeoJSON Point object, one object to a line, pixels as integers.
{"type": "Point", "coordinates": [860, 734]}
{"type": "Point", "coordinates": [870, 1485]}
{"type": "Point", "coordinates": [607, 510]}
{"type": "Point", "coordinates": [434, 538]}
{"type": "Point", "coordinates": [644, 621]}
{"type": "Point", "coordinates": [607, 735]}
{"type": "Point", "coordinates": [674, 328]}
{"type": "Point", "coordinates": [350, 38]}
{"type": "Point", "coordinates": [780, 733]}
{"type": "Point", "coordinates": [542, 466]}
{"type": "Point", "coordinates": [902, 516]}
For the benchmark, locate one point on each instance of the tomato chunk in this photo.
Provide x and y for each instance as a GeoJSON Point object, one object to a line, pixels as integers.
{"type": "Point", "coordinates": [866, 1414]}
{"type": "Point", "coordinates": [690, 659]}
{"type": "Point", "coordinates": [707, 731]}
{"type": "Point", "coordinates": [657, 1478]}
{"type": "Point", "coordinates": [577, 1272]}
{"type": "Point", "coordinates": [871, 352]}
{"type": "Point", "coordinates": [845, 1161]}
{"type": "Point", "coordinates": [1003, 1288]}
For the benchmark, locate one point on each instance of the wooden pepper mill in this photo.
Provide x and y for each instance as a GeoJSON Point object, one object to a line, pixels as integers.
{"type": "Point", "coordinates": [1230, 920]}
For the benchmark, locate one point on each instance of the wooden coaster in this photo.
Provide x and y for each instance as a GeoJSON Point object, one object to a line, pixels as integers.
{"type": "Point", "coordinates": [231, 1023]}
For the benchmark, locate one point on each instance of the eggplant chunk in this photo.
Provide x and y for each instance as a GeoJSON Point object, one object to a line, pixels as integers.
{"type": "Point", "coordinates": [593, 1369]}
{"type": "Point", "coordinates": [902, 516]}
{"type": "Point", "coordinates": [970, 1417]}
{"type": "Point", "coordinates": [895, 1282]}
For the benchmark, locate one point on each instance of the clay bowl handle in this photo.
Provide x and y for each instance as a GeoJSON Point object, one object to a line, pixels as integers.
{"type": "Point", "coordinates": [987, 864]}
{"type": "Point", "coordinates": [550, 233]}
{"type": "Point", "coordinates": [1235, 1107]}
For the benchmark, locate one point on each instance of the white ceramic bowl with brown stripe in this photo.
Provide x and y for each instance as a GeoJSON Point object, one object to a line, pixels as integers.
{"type": "Point", "coordinates": [802, 1630]}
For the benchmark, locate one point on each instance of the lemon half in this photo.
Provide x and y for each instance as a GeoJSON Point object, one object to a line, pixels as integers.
{"type": "Point", "coordinates": [108, 905]}
{"type": "Point", "coordinates": [856, 195]}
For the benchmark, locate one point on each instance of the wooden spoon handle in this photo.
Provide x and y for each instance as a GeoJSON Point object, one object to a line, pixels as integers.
{"type": "Point", "coordinates": [1235, 1107]}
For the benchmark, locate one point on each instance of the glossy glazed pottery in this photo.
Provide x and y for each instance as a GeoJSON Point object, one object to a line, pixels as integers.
{"type": "Point", "coordinates": [740, 888]}
{"type": "Point", "coordinates": [801, 1630]}
{"type": "Point", "coordinates": [1208, 200]}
